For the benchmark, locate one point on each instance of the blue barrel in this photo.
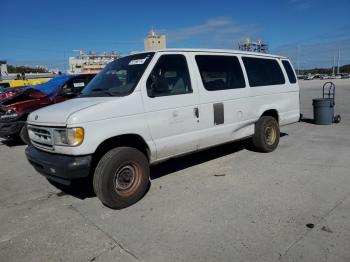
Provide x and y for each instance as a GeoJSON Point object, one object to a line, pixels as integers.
{"type": "Point", "coordinates": [323, 111]}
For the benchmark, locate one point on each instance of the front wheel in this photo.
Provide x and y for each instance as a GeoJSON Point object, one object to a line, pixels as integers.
{"type": "Point", "coordinates": [23, 134]}
{"type": "Point", "coordinates": [121, 177]}
{"type": "Point", "coordinates": [267, 134]}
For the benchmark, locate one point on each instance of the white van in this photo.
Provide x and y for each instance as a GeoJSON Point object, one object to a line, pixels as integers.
{"type": "Point", "coordinates": [151, 106]}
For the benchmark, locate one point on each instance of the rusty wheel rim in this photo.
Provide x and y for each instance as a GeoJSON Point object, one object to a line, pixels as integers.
{"type": "Point", "coordinates": [270, 135]}
{"type": "Point", "coordinates": [127, 179]}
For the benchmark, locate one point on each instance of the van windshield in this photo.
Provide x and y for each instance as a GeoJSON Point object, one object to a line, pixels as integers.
{"type": "Point", "coordinates": [118, 78]}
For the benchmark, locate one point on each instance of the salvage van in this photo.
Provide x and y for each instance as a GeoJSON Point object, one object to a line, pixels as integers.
{"type": "Point", "coordinates": [148, 107]}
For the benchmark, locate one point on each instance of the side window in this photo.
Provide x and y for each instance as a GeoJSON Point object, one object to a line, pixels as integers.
{"type": "Point", "coordinates": [170, 76]}
{"type": "Point", "coordinates": [290, 71]}
{"type": "Point", "coordinates": [67, 87]}
{"type": "Point", "coordinates": [263, 71]}
{"type": "Point", "coordinates": [74, 85]}
{"type": "Point", "coordinates": [5, 84]}
{"type": "Point", "coordinates": [81, 81]}
{"type": "Point", "coordinates": [77, 84]}
{"type": "Point", "coordinates": [220, 72]}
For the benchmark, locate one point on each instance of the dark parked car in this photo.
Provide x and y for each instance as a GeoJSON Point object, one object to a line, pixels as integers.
{"type": "Point", "coordinates": [15, 108]}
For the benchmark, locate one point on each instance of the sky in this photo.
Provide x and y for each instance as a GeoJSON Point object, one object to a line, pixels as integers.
{"type": "Point", "coordinates": [46, 32]}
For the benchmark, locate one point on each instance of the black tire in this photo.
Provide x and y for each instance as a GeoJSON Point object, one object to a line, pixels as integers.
{"type": "Point", "coordinates": [267, 134]}
{"type": "Point", "coordinates": [121, 177]}
{"type": "Point", "coordinates": [23, 134]}
{"type": "Point", "coordinates": [337, 119]}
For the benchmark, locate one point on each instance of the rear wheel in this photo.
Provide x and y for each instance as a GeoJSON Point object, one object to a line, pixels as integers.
{"type": "Point", "coordinates": [267, 134]}
{"type": "Point", "coordinates": [121, 177]}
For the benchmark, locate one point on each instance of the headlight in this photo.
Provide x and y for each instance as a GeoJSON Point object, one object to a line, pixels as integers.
{"type": "Point", "coordinates": [9, 114]}
{"type": "Point", "coordinates": [69, 136]}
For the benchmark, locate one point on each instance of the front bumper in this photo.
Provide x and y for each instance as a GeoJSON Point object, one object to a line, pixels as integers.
{"type": "Point", "coordinates": [10, 128]}
{"type": "Point", "coordinates": [59, 168]}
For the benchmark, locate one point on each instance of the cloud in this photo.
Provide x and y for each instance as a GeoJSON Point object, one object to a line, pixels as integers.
{"type": "Point", "coordinates": [215, 32]}
{"type": "Point", "coordinates": [300, 5]}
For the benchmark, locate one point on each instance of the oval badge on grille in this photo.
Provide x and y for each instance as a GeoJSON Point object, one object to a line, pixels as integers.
{"type": "Point", "coordinates": [36, 117]}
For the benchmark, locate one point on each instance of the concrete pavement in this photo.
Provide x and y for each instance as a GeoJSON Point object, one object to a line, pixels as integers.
{"type": "Point", "coordinates": [222, 204]}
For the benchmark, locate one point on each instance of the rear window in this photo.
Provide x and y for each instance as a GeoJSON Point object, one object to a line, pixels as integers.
{"type": "Point", "coordinates": [220, 72]}
{"type": "Point", "coordinates": [263, 71]}
{"type": "Point", "coordinates": [290, 71]}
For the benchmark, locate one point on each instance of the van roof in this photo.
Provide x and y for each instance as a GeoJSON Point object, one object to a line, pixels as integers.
{"type": "Point", "coordinates": [207, 50]}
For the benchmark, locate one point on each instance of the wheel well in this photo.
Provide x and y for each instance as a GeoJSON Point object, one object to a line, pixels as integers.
{"type": "Point", "coordinates": [131, 140]}
{"type": "Point", "coordinates": [271, 112]}
{"type": "Point", "coordinates": [24, 117]}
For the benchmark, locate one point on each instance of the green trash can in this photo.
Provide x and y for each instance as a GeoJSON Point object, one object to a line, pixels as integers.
{"type": "Point", "coordinates": [323, 111]}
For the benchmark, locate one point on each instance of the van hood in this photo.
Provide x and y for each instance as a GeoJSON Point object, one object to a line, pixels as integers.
{"type": "Point", "coordinates": [57, 114]}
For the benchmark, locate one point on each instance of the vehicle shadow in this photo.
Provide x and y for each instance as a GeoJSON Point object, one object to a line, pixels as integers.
{"type": "Point", "coordinates": [82, 188]}
{"type": "Point", "coordinates": [11, 142]}
{"type": "Point", "coordinates": [179, 163]}
{"type": "Point", "coordinates": [307, 120]}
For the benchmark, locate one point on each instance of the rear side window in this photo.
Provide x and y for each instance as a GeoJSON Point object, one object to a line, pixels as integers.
{"type": "Point", "coordinates": [290, 71]}
{"type": "Point", "coordinates": [220, 72]}
{"type": "Point", "coordinates": [263, 71]}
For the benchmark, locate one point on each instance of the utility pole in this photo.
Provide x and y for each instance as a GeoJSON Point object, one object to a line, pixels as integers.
{"type": "Point", "coordinates": [333, 71]}
{"type": "Point", "coordinates": [298, 59]}
{"type": "Point", "coordinates": [338, 69]}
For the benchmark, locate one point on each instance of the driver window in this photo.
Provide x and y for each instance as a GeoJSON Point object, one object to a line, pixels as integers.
{"type": "Point", "coordinates": [66, 88]}
{"type": "Point", "coordinates": [73, 86]}
{"type": "Point", "coordinates": [170, 76]}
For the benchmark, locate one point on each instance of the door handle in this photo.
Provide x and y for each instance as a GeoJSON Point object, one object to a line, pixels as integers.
{"type": "Point", "coordinates": [196, 112]}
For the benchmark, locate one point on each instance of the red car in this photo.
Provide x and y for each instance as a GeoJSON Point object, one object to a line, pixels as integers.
{"type": "Point", "coordinates": [16, 105]}
{"type": "Point", "coordinates": [10, 92]}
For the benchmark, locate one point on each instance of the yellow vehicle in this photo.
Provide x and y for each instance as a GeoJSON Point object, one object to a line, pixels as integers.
{"type": "Point", "coordinates": [26, 82]}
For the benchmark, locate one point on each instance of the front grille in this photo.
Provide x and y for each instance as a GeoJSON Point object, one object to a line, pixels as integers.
{"type": "Point", "coordinates": [41, 137]}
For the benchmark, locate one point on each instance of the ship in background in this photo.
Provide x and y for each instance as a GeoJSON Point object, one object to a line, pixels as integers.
{"type": "Point", "coordinates": [90, 62]}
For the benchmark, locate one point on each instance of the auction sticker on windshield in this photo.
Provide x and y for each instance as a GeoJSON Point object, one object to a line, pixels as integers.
{"type": "Point", "coordinates": [138, 61]}
{"type": "Point", "coordinates": [79, 84]}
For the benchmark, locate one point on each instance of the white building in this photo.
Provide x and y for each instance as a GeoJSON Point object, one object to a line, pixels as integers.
{"type": "Point", "coordinates": [154, 41]}
{"type": "Point", "coordinates": [3, 68]}
{"type": "Point", "coordinates": [90, 63]}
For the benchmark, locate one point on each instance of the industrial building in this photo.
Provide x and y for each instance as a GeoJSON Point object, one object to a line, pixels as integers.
{"type": "Point", "coordinates": [154, 41]}
{"type": "Point", "coordinates": [91, 62]}
{"type": "Point", "coordinates": [3, 68]}
{"type": "Point", "coordinates": [254, 46]}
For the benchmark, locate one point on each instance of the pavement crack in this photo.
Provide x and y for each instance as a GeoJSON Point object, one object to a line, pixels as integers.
{"type": "Point", "coordinates": [101, 253]}
{"type": "Point", "coordinates": [328, 213]}
{"type": "Point", "coordinates": [115, 241]}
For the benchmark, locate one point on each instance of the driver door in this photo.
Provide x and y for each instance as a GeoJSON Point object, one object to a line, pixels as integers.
{"type": "Point", "coordinates": [171, 105]}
